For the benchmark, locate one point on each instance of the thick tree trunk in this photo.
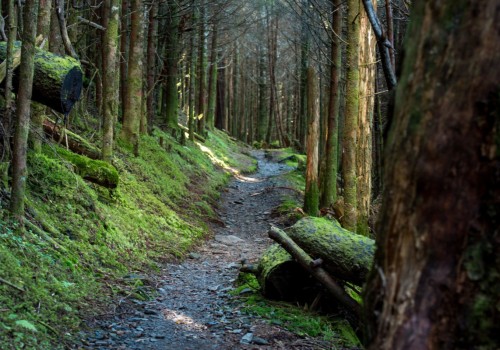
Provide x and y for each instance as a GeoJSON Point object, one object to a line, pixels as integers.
{"type": "Point", "coordinates": [132, 107]}
{"type": "Point", "coordinates": [19, 169]}
{"type": "Point", "coordinates": [311, 197]}
{"type": "Point", "coordinates": [202, 76]}
{"type": "Point", "coordinates": [436, 275]}
{"type": "Point", "coordinates": [151, 63]}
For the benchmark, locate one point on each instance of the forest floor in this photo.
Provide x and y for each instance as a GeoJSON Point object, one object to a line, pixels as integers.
{"type": "Point", "coordinates": [194, 307]}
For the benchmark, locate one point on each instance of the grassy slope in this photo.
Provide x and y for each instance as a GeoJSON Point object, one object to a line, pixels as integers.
{"type": "Point", "coordinates": [91, 236]}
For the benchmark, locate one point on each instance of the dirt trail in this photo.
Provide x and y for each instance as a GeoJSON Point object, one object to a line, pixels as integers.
{"type": "Point", "coordinates": [193, 309]}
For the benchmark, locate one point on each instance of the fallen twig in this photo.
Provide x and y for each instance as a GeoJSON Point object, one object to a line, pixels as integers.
{"type": "Point", "coordinates": [10, 284]}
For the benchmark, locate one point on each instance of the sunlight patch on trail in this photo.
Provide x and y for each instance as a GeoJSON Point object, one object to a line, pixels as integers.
{"type": "Point", "coordinates": [224, 165]}
{"type": "Point", "coordinates": [182, 319]}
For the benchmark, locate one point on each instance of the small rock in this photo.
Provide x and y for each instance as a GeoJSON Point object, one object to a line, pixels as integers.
{"type": "Point", "coordinates": [194, 256]}
{"type": "Point", "coordinates": [259, 341]}
{"type": "Point", "coordinates": [213, 288]}
{"type": "Point", "coordinates": [247, 338]}
{"type": "Point", "coordinates": [236, 331]}
{"type": "Point", "coordinates": [159, 336]}
{"type": "Point", "coordinates": [230, 239]}
{"type": "Point", "coordinates": [245, 291]}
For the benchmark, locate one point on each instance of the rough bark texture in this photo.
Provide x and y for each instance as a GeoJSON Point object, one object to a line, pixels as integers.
{"type": "Point", "coordinates": [19, 169]}
{"type": "Point", "coordinates": [329, 193]}
{"type": "Point", "coordinates": [346, 255]}
{"type": "Point", "coordinates": [110, 91]}
{"type": "Point", "coordinates": [212, 80]}
{"type": "Point", "coordinates": [367, 67]}
{"type": "Point", "coordinates": [57, 81]}
{"type": "Point", "coordinates": [311, 197]}
{"type": "Point", "coordinates": [132, 106]}
{"type": "Point", "coordinates": [350, 137]}
{"type": "Point", "coordinates": [436, 279]}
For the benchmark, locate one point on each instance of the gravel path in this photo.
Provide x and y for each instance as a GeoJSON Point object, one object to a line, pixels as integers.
{"type": "Point", "coordinates": [193, 309]}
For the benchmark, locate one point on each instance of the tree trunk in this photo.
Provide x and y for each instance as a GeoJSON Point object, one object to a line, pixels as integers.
{"type": "Point", "coordinates": [436, 276]}
{"type": "Point", "coordinates": [124, 50]}
{"type": "Point", "coordinates": [151, 63]}
{"type": "Point", "coordinates": [132, 106]}
{"type": "Point", "coordinates": [350, 137]}
{"type": "Point", "coordinates": [19, 169]}
{"type": "Point", "coordinates": [329, 193]}
{"type": "Point", "coordinates": [367, 68]}
{"type": "Point", "coordinates": [109, 63]}
{"type": "Point", "coordinates": [311, 197]}
{"type": "Point", "coordinates": [212, 80]}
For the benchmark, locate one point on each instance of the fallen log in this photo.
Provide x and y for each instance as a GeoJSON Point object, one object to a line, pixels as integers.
{"type": "Point", "coordinates": [345, 255]}
{"type": "Point", "coordinates": [75, 143]}
{"type": "Point", "coordinates": [281, 277]}
{"type": "Point", "coordinates": [57, 80]}
{"type": "Point", "coordinates": [311, 266]}
{"type": "Point", "coordinates": [95, 171]}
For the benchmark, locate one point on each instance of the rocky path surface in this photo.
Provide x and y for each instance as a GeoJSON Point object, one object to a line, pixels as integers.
{"type": "Point", "coordinates": [194, 309]}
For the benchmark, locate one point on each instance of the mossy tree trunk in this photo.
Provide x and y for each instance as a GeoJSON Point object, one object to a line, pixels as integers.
{"type": "Point", "coordinates": [23, 105]}
{"type": "Point", "coordinates": [329, 190]}
{"type": "Point", "coordinates": [132, 106]}
{"type": "Point", "coordinates": [367, 69]}
{"type": "Point", "coordinates": [436, 277]}
{"type": "Point", "coordinates": [350, 132]}
{"type": "Point", "coordinates": [311, 197]}
{"type": "Point", "coordinates": [110, 92]}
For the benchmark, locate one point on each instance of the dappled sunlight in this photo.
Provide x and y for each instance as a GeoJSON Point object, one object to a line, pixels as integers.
{"type": "Point", "coordinates": [224, 165]}
{"type": "Point", "coordinates": [182, 319]}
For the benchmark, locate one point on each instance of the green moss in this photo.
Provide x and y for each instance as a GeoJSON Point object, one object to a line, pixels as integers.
{"type": "Point", "coordinates": [86, 238]}
{"type": "Point", "coordinates": [311, 200]}
{"type": "Point", "coordinates": [303, 323]}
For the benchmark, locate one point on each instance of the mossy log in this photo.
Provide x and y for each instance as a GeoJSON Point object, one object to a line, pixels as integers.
{"type": "Point", "coordinates": [345, 255]}
{"type": "Point", "coordinates": [57, 80]}
{"type": "Point", "coordinates": [75, 143]}
{"type": "Point", "coordinates": [314, 268]}
{"type": "Point", "coordinates": [95, 171]}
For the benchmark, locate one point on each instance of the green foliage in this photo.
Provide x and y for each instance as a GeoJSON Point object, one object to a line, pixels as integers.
{"type": "Point", "coordinates": [83, 238]}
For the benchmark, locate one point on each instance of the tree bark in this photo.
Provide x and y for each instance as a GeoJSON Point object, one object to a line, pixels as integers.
{"type": "Point", "coordinates": [19, 168]}
{"type": "Point", "coordinates": [350, 132]}
{"type": "Point", "coordinates": [311, 197]}
{"type": "Point", "coordinates": [329, 193]}
{"type": "Point", "coordinates": [110, 88]}
{"type": "Point", "coordinates": [212, 80]}
{"type": "Point", "coordinates": [132, 106]}
{"type": "Point", "coordinates": [436, 274]}
{"type": "Point", "coordinates": [151, 63]}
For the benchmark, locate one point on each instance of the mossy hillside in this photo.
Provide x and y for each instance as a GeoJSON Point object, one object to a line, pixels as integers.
{"type": "Point", "coordinates": [85, 237]}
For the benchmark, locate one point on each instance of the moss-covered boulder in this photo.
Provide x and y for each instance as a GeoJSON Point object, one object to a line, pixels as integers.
{"type": "Point", "coordinates": [345, 255]}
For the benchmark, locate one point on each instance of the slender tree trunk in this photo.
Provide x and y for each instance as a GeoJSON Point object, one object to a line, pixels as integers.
{"type": "Point", "coordinates": [212, 81]}
{"type": "Point", "coordinates": [132, 107]}
{"type": "Point", "coordinates": [329, 193]}
{"type": "Point", "coordinates": [9, 101]}
{"type": "Point", "coordinates": [110, 91]}
{"type": "Point", "coordinates": [262, 117]}
{"type": "Point", "coordinates": [124, 51]}
{"type": "Point", "coordinates": [19, 168]}
{"type": "Point", "coordinates": [436, 273]}
{"type": "Point", "coordinates": [350, 137]}
{"type": "Point", "coordinates": [220, 113]}
{"type": "Point", "coordinates": [151, 63]}
{"type": "Point", "coordinates": [311, 198]}
{"type": "Point", "coordinates": [202, 76]}
{"type": "Point", "coordinates": [390, 31]}
{"type": "Point", "coordinates": [171, 65]}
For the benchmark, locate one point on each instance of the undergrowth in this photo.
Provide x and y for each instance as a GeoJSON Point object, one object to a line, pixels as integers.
{"type": "Point", "coordinates": [336, 330]}
{"type": "Point", "coordinates": [80, 238]}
